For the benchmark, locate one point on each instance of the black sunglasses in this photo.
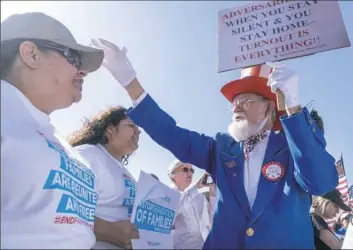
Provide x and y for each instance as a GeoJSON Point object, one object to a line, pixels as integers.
{"type": "Point", "coordinates": [71, 55]}
{"type": "Point", "coordinates": [186, 170]}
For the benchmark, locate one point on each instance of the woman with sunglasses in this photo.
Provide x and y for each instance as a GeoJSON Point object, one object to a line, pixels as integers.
{"type": "Point", "coordinates": [322, 208]}
{"type": "Point", "coordinates": [42, 70]}
{"type": "Point", "coordinates": [193, 220]}
{"type": "Point", "coordinates": [106, 141]}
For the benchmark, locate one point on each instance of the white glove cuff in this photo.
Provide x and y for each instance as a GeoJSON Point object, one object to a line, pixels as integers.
{"type": "Point", "coordinates": [127, 79]}
{"type": "Point", "coordinates": [291, 101]}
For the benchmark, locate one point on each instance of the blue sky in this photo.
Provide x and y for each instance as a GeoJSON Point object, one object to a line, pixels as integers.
{"type": "Point", "coordinates": [173, 48]}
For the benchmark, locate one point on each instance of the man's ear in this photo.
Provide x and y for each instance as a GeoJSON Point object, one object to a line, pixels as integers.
{"type": "Point", "coordinates": [271, 111]}
{"type": "Point", "coordinates": [272, 105]}
{"type": "Point", "coordinates": [29, 54]}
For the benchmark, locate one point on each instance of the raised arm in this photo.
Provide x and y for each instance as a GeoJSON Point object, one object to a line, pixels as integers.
{"type": "Point", "coordinates": [188, 146]}
{"type": "Point", "coordinates": [315, 170]}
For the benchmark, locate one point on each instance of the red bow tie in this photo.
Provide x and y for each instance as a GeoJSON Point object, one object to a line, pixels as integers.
{"type": "Point", "coordinates": [250, 143]}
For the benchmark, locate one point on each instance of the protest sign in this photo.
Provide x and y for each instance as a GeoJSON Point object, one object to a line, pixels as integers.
{"type": "Point", "coordinates": [153, 213]}
{"type": "Point", "coordinates": [264, 31]}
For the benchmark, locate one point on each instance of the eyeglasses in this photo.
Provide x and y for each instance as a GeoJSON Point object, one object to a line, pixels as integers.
{"type": "Point", "coordinates": [243, 104]}
{"type": "Point", "coordinates": [72, 56]}
{"type": "Point", "coordinates": [186, 170]}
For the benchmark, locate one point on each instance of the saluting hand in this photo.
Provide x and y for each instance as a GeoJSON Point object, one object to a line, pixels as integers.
{"type": "Point", "coordinates": [115, 61]}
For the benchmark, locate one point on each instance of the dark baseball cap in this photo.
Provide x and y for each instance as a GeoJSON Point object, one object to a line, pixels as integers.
{"type": "Point", "coordinates": [335, 197]}
{"type": "Point", "coordinates": [37, 25]}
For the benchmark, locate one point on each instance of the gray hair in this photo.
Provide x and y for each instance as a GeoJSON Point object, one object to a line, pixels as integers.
{"type": "Point", "coordinates": [173, 166]}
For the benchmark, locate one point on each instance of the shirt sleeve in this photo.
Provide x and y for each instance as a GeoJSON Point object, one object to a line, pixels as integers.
{"type": "Point", "coordinates": [205, 223]}
{"type": "Point", "coordinates": [136, 102]}
{"type": "Point", "coordinates": [318, 224]}
{"type": "Point", "coordinates": [186, 145]}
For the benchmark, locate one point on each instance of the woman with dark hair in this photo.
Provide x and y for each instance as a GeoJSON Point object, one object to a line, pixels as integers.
{"type": "Point", "coordinates": [106, 141]}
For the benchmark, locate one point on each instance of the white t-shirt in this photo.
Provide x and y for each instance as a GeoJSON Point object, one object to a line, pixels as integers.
{"type": "Point", "coordinates": [48, 197]}
{"type": "Point", "coordinates": [116, 186]}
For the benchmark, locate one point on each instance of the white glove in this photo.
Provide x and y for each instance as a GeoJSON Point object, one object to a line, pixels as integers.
{"type": "Point", "coordinates": [286, 80]}
{"type": "Point", "coordinates": [115, 61]}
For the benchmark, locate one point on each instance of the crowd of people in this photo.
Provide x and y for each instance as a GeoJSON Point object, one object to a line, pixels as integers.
{"type": "Point", "coordinates": [271, 176]}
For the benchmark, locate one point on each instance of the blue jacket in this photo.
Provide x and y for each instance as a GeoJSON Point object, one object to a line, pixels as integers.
{"type": "Point", "coordinates": [279, 218]}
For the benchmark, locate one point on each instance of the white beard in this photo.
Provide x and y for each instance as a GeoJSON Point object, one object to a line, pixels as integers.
{"type": "Point", "coordinates": [242, 130]}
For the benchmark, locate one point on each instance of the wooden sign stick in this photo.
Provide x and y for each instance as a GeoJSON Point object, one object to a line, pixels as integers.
{"type": "Point", "coordinates": [280, 100]}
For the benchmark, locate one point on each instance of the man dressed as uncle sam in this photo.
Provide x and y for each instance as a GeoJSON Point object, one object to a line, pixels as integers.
{"type": "Point", "coordinates": [264, 179]}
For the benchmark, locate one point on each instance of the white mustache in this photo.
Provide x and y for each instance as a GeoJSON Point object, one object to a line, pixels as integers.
{"type": "Point", "coordinates": [236, 115]}
{"type": "Point", "coordinates": [242, 130]}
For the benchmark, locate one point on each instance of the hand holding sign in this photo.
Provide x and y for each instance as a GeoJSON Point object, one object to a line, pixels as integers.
{"type": "Point", "coordinates": [115, 61]}
{"type": "Point", "coordinates": [154, 212]}
{"type": "Point", "coordinates": [123, 232]}
{"type": "Point", "coordinates": [284, 82]}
